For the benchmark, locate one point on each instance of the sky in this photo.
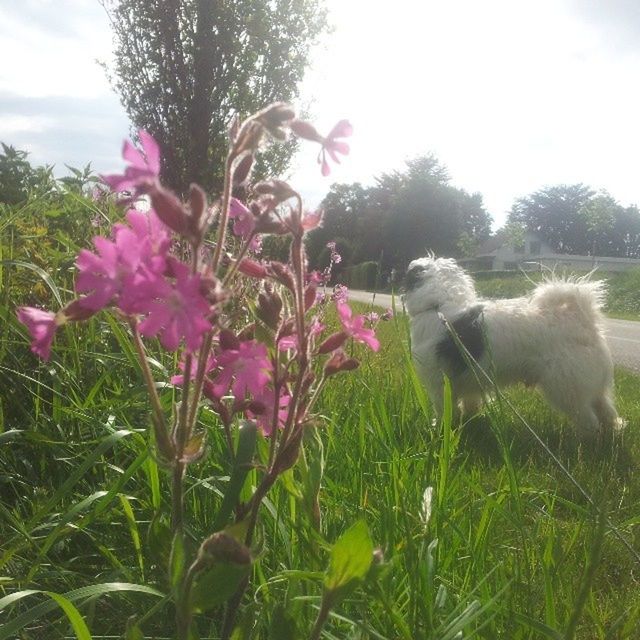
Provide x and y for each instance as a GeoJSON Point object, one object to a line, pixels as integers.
{"type": "Point", "coordinates": [510, 95]}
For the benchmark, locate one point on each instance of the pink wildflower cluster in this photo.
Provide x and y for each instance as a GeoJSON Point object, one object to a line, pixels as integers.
{"type": "Point", "coordinates": [135, 272]}
{"type": "Point", "coordinates": [335, 257]}
{"type": "Point", "coordinates": [254, 347]}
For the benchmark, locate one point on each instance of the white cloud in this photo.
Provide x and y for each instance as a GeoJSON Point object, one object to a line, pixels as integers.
{"type": "Point", "coordinates": [12, 124]}
{"type": "Point", "coordinates": [511, 96]}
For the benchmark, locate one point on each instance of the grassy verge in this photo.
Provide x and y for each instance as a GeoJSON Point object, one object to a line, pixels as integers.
{"type": "Point", "coordinates": [623, 290]}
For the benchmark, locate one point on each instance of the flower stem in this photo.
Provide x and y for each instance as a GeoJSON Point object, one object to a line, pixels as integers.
{"type": "Point", "coordinates": [160, 429]}
{"type": "Point", "coordinates": [224, 215]}
{"type": "Point", "coordinates": [323, 614]}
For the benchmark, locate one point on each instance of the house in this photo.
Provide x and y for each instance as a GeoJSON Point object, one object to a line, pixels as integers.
{"type": "Point", "coordinates": [500, 253]}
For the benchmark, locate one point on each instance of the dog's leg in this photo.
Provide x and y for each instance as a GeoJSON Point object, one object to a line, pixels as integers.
{"type": "Point", "coordinates": [587, 423]}
{"type": "Point", "coordinates": [436, 395]}
{"type": "Point", "coordinates": [607, 414]}
{"type": "Point", "coordinates": [470, 405]}
{"type": "Point", "coordinates": [571, 400]}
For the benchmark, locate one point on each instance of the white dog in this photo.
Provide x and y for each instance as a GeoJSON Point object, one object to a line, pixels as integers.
{"type": "Point", "coordinates": [552, 339]}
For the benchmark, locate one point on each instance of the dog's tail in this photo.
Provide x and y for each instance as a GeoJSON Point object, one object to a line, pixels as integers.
{"type": "Point", "coordinates": [580, 297]}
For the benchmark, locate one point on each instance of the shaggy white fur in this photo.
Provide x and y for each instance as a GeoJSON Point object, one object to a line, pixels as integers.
{"type": "Point", "coordinates": [552, 339]}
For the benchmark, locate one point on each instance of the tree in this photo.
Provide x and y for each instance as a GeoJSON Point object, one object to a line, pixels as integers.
{"type": "Point", "coordinates": [184, 67]}
{"type": "Point", "coordinates": [18, 178]}
{"type": "Point", "coordinates": [625, 233]}
{"type": "Point", "coordinates": [402, 216]}
{"type": "Point", "coordinates": [575, 219]}
{"type": "Point", "coordinates": [599, 214]}
{"type": "Point", "coordinates": [426, 213]}
{"type": "Point", "coordinates": [344, 207]}
{"type": "Point", "coordinates": [556, 213]}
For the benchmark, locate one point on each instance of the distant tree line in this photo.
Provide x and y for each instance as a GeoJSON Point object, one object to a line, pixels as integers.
{"type": "Point", "coordinates": [402, 216]}
{"type": "Point", "coordinates": [576, 219]}
{"type": "Point", "coordinates": [406, 214]}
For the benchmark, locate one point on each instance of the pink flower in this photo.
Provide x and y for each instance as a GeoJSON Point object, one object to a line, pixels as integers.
{"type": "Point", "coordinates": [354, 327]}
{"type": "Point", "coordinates": [315, 278]}
{"type": "Point", "coordinates": [154, 235]}
{"type": "Point", "coordinates": [174, 311]}
{"type": "Point", "coordinates": [335, 258]}
{"type": "Point", "coordinates": [340, 294]}
{"type": "Point", "coordinates": [137, 253]}
{"type": "Point", "coordinates": [104, 273]}
{"type": "Point", "coordinates": [291, 341]}
{"type": "Point", "coordinates": [333, 146]}
{"type": "Point", "coordinates": [42, 326]}
{"type": "Point", "coordinates": [312, 220]}
{"type": "Point", "coordinates": [178, 380]}
{"type": "Point", "coordinates": [245, 368]}
{"type": "Point", "coordinates": [143, 169]}
{"type": "Point", "coordinates": [262, 410]}
{"type": "Point", "coordinates": [244, 223]}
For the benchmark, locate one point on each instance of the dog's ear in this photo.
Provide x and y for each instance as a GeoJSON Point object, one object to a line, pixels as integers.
{"type": "Point", "coordinates": [414, 277]}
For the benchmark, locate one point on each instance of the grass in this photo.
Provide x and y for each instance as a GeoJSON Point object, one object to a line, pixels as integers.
{"type": "Point", "coordinates": [511, 548]}
{"type": "Point", "coordinates": [623, 289]}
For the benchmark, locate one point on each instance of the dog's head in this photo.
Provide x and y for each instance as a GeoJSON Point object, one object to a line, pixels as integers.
{"type": "Point", "coordinates": [432, 283]}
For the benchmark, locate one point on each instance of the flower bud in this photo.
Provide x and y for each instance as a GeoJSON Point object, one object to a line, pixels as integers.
{"type": "Point", "coordinates": [274, 117]}
{"type": "Point", "coordinates": [269, 307]}
{"type": "Point", "coordinates": [248, 332]}
{"type": "Point", "coordinates": [282, 274]}
{"type": "Point", "coordinates": [170, 210]}
{"type": "Point", "coordinates": [306, 130]}
{"type": "Point", "coordinates": [248, 138]}
{"type": "Point", "coordinates": [242, 170]}
{"type": "Point", "coordinates": [228, 340]}
{"type": "Point", "coordinates": [279, 189]}
{"type": "Point", "coordinates": [287, 329]}
{"type": "Point", "coordinates": [252, 268]}
{"type": "Point", "coordinates": [222, 547]}
{"type": "Point", "coordinates": [333, 342]}
{"type": "Point", "coordinates": [310, 296]}
{"type": "Point", "coordinates": [289, 455]}
{"type": "Point", "coordinates": [339, 362]}
{"type": "Point", "coordinates": [197, 204]}
{"type": "Point", "coordinates": [211, 289]}
{"type": "Point", "coordinates": [75, 311]}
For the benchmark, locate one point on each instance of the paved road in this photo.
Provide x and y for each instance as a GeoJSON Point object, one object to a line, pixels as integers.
{"type": "Point", "coordinates": [623, 336]}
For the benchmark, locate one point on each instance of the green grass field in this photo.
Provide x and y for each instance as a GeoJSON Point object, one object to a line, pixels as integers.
{"type": "Point", "coordinates": [508, 546]}
{"type": "Point", "coordinates": [623, 289]}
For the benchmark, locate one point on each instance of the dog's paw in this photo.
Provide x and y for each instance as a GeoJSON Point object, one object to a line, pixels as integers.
{"type": "Point", "coordinates": [620, 424]}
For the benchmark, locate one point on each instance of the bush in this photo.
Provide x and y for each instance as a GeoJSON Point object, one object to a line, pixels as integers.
{"type": "Point", "coordinates": [361, 276]}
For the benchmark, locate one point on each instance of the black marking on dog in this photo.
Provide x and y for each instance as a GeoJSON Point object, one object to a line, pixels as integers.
{"type": "Point", "coordinates": [413, 277]}
{"type": "Point", "coordinates": [468, 329]}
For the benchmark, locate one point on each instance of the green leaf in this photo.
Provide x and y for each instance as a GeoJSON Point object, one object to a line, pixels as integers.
{"type": "Point", "coordinates": [216, 585]}
{"type": "Point", "coordinates": [80, 470]}
{"type": "Point", "coordinates": [11, 628]}
{"type": "Point", "coordinates": [195, 448]}
{"type": "Point", "coordinates": [79, 626]}
{"type": "Point", "coordinates": [42, 273]}
{"type": "Point", "coordinates": [133, 631]}
{"type": "Point", "coordinates": [351, 557]}
{"type": "Point", "coordinates": [242, 466]}
{"type": "Point", "coordinates": [133, 531]}
{"type": "Point", "coordinates": [177, 561]}
{"type": "Point", "coordinates": [283, 625]}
